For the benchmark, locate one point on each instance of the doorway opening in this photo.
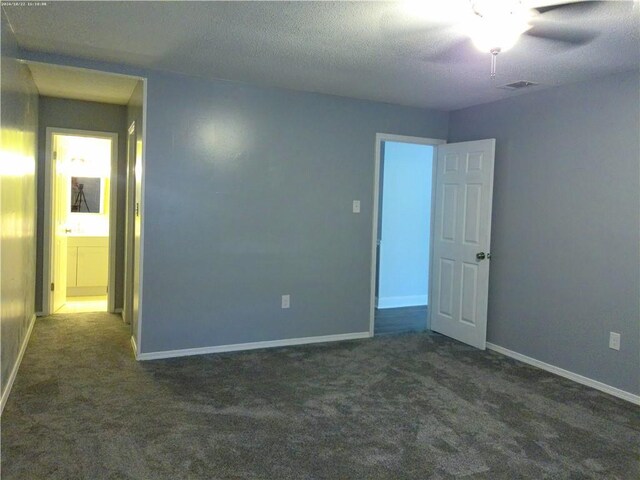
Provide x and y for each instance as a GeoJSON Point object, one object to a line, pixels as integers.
{"type": "Point", "coordinates": [403, 237]}
{"type": "Point", "coordinates": [83, 211]}
{"type": "Point", "coordinates": [459, 239]}
{"type": "Point", "coordinates": [90, 191]}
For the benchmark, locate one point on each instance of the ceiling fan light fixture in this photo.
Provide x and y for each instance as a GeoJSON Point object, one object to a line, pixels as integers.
{"type": "Point", "coordinates": [497, 25]}
{"type": "Point", "coordinates": [487, 36]}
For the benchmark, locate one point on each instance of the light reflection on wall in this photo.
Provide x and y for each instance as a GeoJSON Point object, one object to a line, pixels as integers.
{"type": "Point", "coordinates": [224, 139]}
{"type": "Point", "coordinates": [17, 187]}
{"type": "Point", "coordinates": [13, 161]}
{"type": "Point", "coordinates": [19, 101]}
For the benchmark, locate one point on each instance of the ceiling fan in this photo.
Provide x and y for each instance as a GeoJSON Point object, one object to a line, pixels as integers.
{"type": "Point", "coordinates": [494, 26]}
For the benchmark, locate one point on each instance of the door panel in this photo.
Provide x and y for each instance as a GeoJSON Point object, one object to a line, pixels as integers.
{"type": "Point", "coordinates": [473, 200]}
{"type": "Point", "coordinates": [93, 266]}
{"type": "Point", "coordinates": [445, 303]}
{"type": "Point", "coordinates": [464, 189]}
{"type": "Point", "coordinates": [61, 205]}
{"type": "Point", "coordinates": [448, 212]}
{"type": "Point", "coordinates": [469, 293]}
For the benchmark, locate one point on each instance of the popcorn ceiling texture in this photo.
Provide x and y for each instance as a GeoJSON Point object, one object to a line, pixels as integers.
{"type": "Point", "coordinates": [368, 50]}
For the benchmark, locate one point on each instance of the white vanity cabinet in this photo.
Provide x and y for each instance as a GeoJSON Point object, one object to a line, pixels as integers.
{"type": "Point", "coordinates": [87, 265]}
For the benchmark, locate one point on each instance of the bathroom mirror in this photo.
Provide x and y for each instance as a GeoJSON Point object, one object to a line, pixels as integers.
{"type": "Point", "coordinates": [86, 194]}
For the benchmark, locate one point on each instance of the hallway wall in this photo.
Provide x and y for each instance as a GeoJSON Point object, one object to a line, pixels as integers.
{"type": "Point", "coordinates": [19, 99]}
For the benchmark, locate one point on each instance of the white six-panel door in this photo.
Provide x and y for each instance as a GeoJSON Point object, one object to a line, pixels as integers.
{"type": "Point", "coordinates": [461, 236]}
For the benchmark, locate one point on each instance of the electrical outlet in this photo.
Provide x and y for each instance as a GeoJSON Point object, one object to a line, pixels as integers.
{"type": "Point", "coordinates": [356, 206]}
{"type": "Point", "coordinates": [286, 301]}
{"type": "Point", "coordinates": [614, 340]}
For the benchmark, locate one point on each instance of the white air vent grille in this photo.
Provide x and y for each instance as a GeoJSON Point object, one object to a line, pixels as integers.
{"type": "Point", "coordinates": [518, 85]}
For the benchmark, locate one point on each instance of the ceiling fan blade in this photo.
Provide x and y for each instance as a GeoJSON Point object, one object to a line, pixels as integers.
{"type": "Point", "coordinates": [409, 38]}
{"type": "Point", "coordinates": [460, 50]}
{"type": "Point", "coordinates": [559, 33]}
{"type": "Point", "coordinates": [572, 7]}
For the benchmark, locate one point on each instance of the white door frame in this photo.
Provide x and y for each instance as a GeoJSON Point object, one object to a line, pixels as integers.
{"type": "Point", "coordinates": [48, 237]}
{"type": "Point", "coordinates": [136, 340]}
{"type": "Point", "coordinates": [143, 163]}
{"type": "Point", "coordinates": [127, 297]}
{"type": "Point", "coordinates": [388, 137]}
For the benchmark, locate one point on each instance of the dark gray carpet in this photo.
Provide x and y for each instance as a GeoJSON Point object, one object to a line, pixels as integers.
{"type": "Point", "coordinates": [411, 406]}
{"type": "Point", "coordinates": [400, 320]}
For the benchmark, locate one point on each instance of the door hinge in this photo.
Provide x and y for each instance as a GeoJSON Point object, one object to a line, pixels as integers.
{"type": "Point", "coordinates": [137, 209]}
{"type": "Point", "coordinates": [53, 286]}
{"type": "Point", "coordinates": [55, 155]}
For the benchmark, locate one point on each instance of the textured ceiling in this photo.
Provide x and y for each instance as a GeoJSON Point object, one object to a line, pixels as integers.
{"type": "Point", "coordinates": [79, 84]}
{"type": "Point", "coordinates": [371, 50]}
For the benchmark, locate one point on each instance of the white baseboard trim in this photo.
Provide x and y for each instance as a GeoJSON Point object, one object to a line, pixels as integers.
{"type": "Point", "coordinates": [117, 310]}
{"type": "Point", "coordinates": [397, 302]}
{"type": "Point", "coordinates": [39, 314]}
{"type": "Point", "coordinates": [603, 387]}
{"type": "Point", "coordinates": [134, 346]}
{"type": "Point", "coordinates": [14, 371]}
{"type": "Point", "coordinates": [251, 346]}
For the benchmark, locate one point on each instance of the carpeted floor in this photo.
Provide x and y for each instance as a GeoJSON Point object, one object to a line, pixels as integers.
{"type": "Point", "coordinates": [413, 406]}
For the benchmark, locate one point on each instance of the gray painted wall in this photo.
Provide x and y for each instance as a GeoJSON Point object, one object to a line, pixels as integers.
{"type": "Point", "coordinates": [19, 100]}
{"type": "Point", "coordinates": [566, 222]}
{"type": "Point", "coordinates": [76, 114]}
{"type": "Point", "coordinates": [248, 196]}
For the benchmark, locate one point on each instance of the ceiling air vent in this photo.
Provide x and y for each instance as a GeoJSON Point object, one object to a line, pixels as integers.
{"type": "Point", "coordinates": [518, 85]}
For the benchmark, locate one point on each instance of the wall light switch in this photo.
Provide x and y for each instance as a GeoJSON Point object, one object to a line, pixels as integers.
{"type": "Point", "coordinates": [356, 206]}
{"type": "Point", "coordinates": [614, 340]}
{"type": "Point", "coordinates": [286, 301]}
